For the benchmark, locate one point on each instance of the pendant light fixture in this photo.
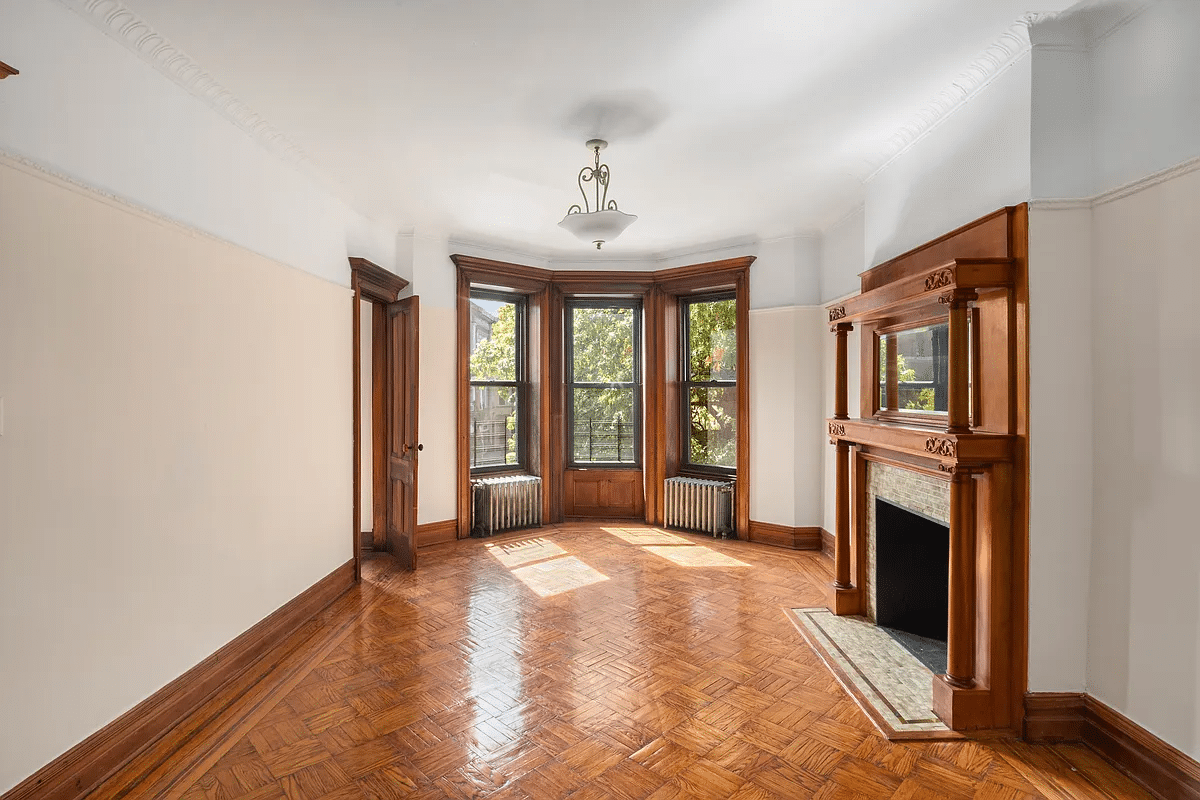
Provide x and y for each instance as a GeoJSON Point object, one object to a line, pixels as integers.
{"type": "Point", "coordinates": [605, 223]}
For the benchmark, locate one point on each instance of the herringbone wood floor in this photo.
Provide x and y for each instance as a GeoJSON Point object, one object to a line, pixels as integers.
{"type": "Point", "coordinates": [648, 679]}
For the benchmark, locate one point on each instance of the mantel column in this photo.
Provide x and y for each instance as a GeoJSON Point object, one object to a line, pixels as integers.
{"type": "Point", "coordinates": [841, 405]}
{"type": "Point", "coordinates": [959, 402]}
{"type": "Point", "coordinates": [960, 632]}
{"type": "Point", "coordinates": [841, 552]}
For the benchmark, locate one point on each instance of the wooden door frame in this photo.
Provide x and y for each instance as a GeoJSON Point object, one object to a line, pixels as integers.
{"type": "Point", "coordinates": [379, 287]}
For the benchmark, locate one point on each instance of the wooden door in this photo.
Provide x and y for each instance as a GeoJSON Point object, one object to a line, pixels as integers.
{"type": "Point", "coordinates": [403, 445]}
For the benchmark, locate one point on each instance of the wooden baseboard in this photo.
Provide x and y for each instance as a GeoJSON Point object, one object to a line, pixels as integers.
{"type": "Point", "coordinates": [437, 532]}
{"type": "Point", "coordinates": [1053, 717]}
{"type": "Point", "coordinates": [82, 768]}
{"type": "Point", "coordinates": [1161, 768]}
{"type": "Point", "coordinates": [827, 544]}
{"type": "Point", "coordinates": [784, 536]}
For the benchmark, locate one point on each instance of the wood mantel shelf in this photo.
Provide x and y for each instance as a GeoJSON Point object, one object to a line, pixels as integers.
{"type": "Point", "coordinates": [6, 70]}
{"type": "Point", "coordinates": [927, 288]}
{"type": "Point", "coordinates": [949, 449]}
{"type": "Point", "coordinates": [973, 283]}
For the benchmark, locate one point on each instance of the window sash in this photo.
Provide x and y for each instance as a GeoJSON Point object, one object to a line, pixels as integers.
{"type": "Point", "coordinates": [687, 384]}
{"type": "Point", "coordinates": [634, 386]}
{"type": "Point", "coordinates": [520, 385]}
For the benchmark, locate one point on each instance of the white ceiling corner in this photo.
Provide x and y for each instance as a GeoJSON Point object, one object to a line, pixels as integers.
{"type": "Point", "coordinates": [728, 120]}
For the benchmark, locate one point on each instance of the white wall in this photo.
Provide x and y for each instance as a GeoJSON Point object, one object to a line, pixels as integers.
{"type": "Point", "coordinates": [90, 109]}
{"type": "Point", "coordinates": [810, 440]}
{"type": "Point", "coordinates": [175, 460]}
{"type": "Point", "coordinates": [974, 162]}
{"type": "Point", "coordinates": [1144, 633]}
{"type": "Point", "coordinates": [773, 418]}
{"type": "Point", "coordinates": [1060, 389]}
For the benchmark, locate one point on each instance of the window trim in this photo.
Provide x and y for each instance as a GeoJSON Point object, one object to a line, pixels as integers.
{"type": "Point", "coordinates": [686, 465]}
{"type": "Point", "coordinates": [570, 384]}
{"type": "Point", "coordinates": [520, 384]}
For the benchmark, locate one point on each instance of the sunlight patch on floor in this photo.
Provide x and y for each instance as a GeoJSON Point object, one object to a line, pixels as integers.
{"type": "Point", "coordinates": [645, 537]}
{"type": "Point", "coordinates": [549, 578]}
{"type": "Point", "coordinates": [696, 556]}
{"type": "Point", "coordinates": [526, 551]}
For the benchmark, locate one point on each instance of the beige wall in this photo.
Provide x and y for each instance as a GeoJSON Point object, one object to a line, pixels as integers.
{"type": "Point", "coordinates": [175, 460]}
{"type": "Point", "coordinates": [1144, 609]}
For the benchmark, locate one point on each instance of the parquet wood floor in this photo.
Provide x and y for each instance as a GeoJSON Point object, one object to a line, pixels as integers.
{"type": "Point", "coordinates": [593, 663]}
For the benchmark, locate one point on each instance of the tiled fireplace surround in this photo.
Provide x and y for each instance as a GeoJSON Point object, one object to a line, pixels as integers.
{"type": "Point", "coordinates": [911, 490]}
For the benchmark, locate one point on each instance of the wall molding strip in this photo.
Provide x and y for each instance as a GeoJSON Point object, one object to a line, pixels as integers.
{"type": "Point", "coordinates": [48, 173]}
{"type": "Point", "coordinates": [1120, 192]}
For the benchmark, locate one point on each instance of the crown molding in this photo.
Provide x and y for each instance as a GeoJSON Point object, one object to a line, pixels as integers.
{"type": "Point", "coordinates": [122, 24]}
{"type": "Point", "coordinates": [1001, 54]}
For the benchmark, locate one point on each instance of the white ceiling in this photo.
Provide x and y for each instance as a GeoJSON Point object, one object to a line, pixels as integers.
{"type": "Point", "coordinates": [726, 118]}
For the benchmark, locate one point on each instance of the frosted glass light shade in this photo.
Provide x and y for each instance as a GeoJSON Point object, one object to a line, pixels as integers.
{"type": "Point", "coordinates": [598, 226]}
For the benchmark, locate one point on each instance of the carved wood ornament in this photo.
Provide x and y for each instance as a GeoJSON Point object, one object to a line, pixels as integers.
{"type": "Point", "coordinates": [941, 447]}
{"type": "Point", "coordinates": [939, 279]}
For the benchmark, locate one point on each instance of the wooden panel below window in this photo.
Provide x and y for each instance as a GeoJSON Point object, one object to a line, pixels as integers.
{"type": "Point", "coordinates": [603, 493]}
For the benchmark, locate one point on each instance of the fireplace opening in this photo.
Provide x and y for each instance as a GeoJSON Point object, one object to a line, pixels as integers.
{"type": "Point", "coordinates": [912, 565]}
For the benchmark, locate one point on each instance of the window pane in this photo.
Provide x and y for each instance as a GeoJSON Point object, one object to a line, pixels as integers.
{"type": "Point", "coordinates": [604, 427]}
{"type": "Point", "coordinates": [712, 432]}
{"type": "Point", "coordinates": [712, 340]}
{"type": "Point", "coordinates": [602, 344]}
{"type": "Point", "coordinates": [493, 340]}
{"type": "Point", "coordinates": [493, 426]}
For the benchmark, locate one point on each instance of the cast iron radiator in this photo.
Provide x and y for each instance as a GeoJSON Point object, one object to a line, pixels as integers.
{"type": "Point", "coordinates": [505, 504]}
{"type": "Point", "coordinates": [699, 505]}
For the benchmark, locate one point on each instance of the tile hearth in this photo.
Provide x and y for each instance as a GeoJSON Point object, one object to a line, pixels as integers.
{"type": "Point", "coordinates": [889, 682]}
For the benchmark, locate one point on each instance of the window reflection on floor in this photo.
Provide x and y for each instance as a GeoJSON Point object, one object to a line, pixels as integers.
{"type": "Point", "coordinates": [644, 536]}
{"type": "Point", "coordinates": [558, 575]}
{"type": "Point", "coordinates": [696, 556]}
{"type": "Point", "coordinates": [526, 551]}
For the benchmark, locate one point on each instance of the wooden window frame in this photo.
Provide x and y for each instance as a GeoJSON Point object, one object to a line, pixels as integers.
{"type": "Point", "coordinates": [660, 293]}
{"type": "Point", "coordinates": [687, 466]}
{"type": "Point", "coordinates": [520, 384]}
{"type": "Point", "coordinates": [637, 385]}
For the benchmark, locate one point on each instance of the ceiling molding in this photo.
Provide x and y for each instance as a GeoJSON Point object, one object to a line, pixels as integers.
{"type": "Point", "coordinates": [1012, 45]}
{"type": "Point", "coordinates": [119, 22]}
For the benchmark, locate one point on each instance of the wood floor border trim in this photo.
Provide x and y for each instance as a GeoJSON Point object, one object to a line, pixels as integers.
{"type": "Point", "coordinates": [804, 538]}
{"type": "Point", "coordinates": [430, 533]}
{"type": "Point", "coordinates": [1057, 717]}
{"type": "Point", "coordinates": [78, 772]}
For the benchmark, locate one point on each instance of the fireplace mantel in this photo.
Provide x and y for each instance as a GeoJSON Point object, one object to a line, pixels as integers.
{"type": "Point", "coordinates": [975, 281]}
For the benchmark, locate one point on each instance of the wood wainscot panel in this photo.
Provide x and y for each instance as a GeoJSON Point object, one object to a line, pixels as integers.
{"type": "Point", "coordinates": [77, 772]}
{"type": "Point", "coordinates": [784, 536]}
{"type": "Point", "coordinates": [603, 493]}
{"type": "Point", "coordinates": [431, 533]}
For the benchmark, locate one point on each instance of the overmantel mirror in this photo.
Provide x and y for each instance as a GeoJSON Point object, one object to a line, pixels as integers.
{"type": "Point", "coordinates": [912, 365]}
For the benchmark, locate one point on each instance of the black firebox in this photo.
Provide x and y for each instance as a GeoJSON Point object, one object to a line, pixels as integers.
{"type": "Point", "coordinates": [912, 561]}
